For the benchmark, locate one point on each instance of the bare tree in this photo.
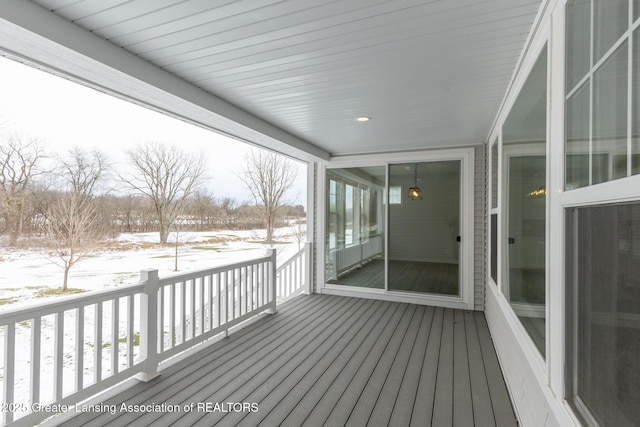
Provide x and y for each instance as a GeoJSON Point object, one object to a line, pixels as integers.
{"type": "Point", "coordinates": [83, 171]}
{"type": "Point", "coordinates": [19, 158]}
{"type": "Point", "coordinates": [72, 226]}
{"type": "Point", "coordinates": [201, 208]}
{"type": "Point", "coordinates": [73, 222]}
{"type": "Point", "coordinates": [268, 176]}
{"type": "Point", "coordinates": [167, 176]}
{"type": "Point", "coordinates": [299, 232]}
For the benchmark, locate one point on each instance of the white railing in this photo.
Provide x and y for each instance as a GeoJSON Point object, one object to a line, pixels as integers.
{"type": "Point", "coordinates": [292, 277]}
{"type": "Point", "coordinates": [199, 305]}
{"type": "Point", "coordinates": [93, 341]}
{"type": "Point", "coordinates": [74, 352]}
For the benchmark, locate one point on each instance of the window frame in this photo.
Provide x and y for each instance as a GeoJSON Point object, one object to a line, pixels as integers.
{"type": "Point", "coordinates": [588, 79]}
{"type": "Point", "coordinates": [570, 209]}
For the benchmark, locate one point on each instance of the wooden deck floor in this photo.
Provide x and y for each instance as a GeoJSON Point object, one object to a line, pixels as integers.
{"type": "Point", "coordinates": [328, 360]}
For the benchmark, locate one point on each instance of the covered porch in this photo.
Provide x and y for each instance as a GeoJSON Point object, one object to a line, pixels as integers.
{"type": "Point", "coordinates": [330, 360]}
{"type": "Point", "coordinates": [334, 84]}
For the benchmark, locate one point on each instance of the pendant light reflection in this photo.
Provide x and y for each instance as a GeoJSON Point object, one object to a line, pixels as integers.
{"type": "Point", "coordinates": [538, 192]}
{"type": "Point", "coordinates": [415, 193]}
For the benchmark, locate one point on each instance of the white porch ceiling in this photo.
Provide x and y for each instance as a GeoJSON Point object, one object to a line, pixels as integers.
{"type": "Point", "coordinates": [429, 73]}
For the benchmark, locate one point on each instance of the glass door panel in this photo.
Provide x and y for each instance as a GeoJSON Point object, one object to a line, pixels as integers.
{"type": "Point", "coordinates": [424, 227]}
{"type": "Point", "coordinates": [354, 240]}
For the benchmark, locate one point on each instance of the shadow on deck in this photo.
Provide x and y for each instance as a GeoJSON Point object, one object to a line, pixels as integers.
{"type": "Point", "coordinates": [328, 360]}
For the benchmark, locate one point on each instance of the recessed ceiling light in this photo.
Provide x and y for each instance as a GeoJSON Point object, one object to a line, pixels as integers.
{"type": "Point", "coordinates": [363, 119]}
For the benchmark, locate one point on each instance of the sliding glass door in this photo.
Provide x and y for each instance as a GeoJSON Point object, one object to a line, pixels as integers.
{"type": "Point", "coordinates": [424, 227]}
{"type": "Point", "coordinates": [420, 203]}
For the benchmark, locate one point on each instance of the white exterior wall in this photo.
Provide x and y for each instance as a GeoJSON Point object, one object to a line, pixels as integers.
{"type": "Point", "coordinates": [537, 402]}
{"type": "Point", "coordinates": [537, 384]}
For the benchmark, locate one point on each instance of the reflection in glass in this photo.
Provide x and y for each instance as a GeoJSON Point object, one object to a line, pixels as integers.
{"type": "Point", "coordinates": [493, 237]}
{"type": "Point", "coordinates": [610, 117]}
{"type": "Point", "coordinates": [494, 248]}
{"type": "Point", "coordinates": [577, 142]}
{"type": "Point", "coordinates": [606, 291]}
{"type": "Point", "coordinates": [524, 166]}
{"type": "Point", "coordinates": [598, 145]}
{"type": "Point", "coordinates": [423, 233]}
{"type": "Point", "coordinates": [354, 241]}
{"type": "Point", "coordinates": [526, 242]}
{"type": "Point", "coordinates": [494, 175]}
{"type": "Point", "coordinates": [578, 37]}
{"type": "Point", "coordinates": [611, 20]}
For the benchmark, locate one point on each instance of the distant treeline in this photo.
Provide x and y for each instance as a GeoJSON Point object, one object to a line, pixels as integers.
{"type": "Point", "coordinates": [136, 214]}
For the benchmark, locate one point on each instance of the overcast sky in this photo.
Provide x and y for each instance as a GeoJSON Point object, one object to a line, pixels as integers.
{"type": "Point", "coordinates": [64, 114]}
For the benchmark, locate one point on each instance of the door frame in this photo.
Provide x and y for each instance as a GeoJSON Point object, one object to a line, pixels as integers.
{"type": "Point", "coordinates": [466, 156]}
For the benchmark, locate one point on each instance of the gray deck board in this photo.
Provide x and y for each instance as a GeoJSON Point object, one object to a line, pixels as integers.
{"type": "Point", "coordinates": [462, 397]}
{"type": "Point", "coordinates": [290, 398]}
{"type": "Point", "coordinates": [500, 402]}
{"type": "Point", "coordinates": [219, 369]}
{"type": "Point", "coordinates": [369, 397]}
{"type": "Point", "coordinates": [425, 397]}
{"type": "Point", "coordinates": [406, 398]}
{"type": "Point", "coordinates": [443, 402]}
{"type": "Point", "coordinates": [350, 387]}
{"type": "Point", "coordinates": [327, 360]}
{"type": "Point", "coordinates": [386, 399]}
{"type": "Point", "coordinates": [482, 410]}
{"type": "Point", "coordinates": [318, 396]}
{"type": "Point", "coordinates": [269, 370]}
{"type": "Point", "coordinates": [225, 384]}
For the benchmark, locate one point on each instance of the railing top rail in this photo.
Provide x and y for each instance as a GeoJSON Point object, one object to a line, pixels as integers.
{"type": "Point", "coordinates": [19, 314]}
{"type": "Point", "coordinates": [26, 312]}
{"type": "Point", "coordinates": [291, 260]}
{"type": "Point", "coordinates": [179, 277]}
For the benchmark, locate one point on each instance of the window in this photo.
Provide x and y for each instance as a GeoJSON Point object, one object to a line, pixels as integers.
{"type": "Point", "coordinates": [332, 215]}
{"type": "Point", "coordinates": [602, 92]}
{"type": "Point", "coordinates": [604, 312]}
{"type": "Point", "coordinates": [494, 175]}
{"type": "Point", "coordinates": [524, 198]}
{"type": "Point", "coordinates": [494, 213]}
{"type": "Point", "coordinates": [395, 194]}
{"type": "Point", "coordinates": [350, 208]}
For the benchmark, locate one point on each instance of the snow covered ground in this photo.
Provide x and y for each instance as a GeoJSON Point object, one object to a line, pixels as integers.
{"type": "Point", "coordinates": [26, 274]}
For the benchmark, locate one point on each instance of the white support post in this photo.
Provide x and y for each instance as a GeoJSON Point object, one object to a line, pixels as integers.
{"type": "Point", "coordinates": [36, 345]}
{"type": "Point", "coordinates": [149, 325]}
{"type": "Point", "coordinates": [272, 286]}
{"type": "Point", "coordinates": [308, 268]}
{"type": "Point", "coordinates": [58, 356]}
{"type": "Point", "coordinates": [312, 205]}
{"type": "Point", "coordinates": [9, 369]}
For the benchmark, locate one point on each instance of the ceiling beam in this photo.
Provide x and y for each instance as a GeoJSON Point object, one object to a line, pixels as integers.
{"type": "Point", "coordinates": [35, 35]}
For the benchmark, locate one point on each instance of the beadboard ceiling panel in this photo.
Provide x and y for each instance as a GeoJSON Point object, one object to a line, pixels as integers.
{"type": "Point", "coordinates": [430, 74]}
